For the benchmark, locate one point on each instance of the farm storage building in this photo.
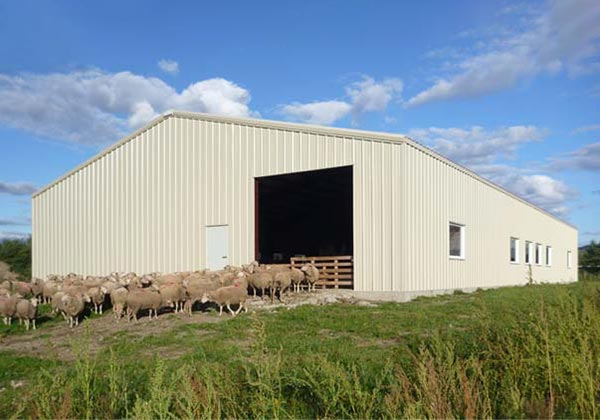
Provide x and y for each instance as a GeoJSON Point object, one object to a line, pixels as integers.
{"type": "Point", "coordinates": [191, 190]}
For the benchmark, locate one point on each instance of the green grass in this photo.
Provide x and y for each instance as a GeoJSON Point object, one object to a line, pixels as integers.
{"type": "Point", "coordinates": [514, 352]}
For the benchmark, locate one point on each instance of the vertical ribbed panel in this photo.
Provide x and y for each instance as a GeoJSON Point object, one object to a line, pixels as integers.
{"type": "Point", "coordinates": [435, 194]}
{"type": "Point", "coordinates": [144, 207]}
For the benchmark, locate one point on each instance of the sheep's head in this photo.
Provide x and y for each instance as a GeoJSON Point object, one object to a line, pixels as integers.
{"type": "Point", "coordinates": [103, 290]}
{"type": "Point", "coordinates": [34, 302]}
{"type": "Point", "coordinates": [86, 298]}
{"type": "Point", "coordinates": [206, 297]}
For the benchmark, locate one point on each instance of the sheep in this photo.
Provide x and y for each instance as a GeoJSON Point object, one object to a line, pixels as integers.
{"type": "Point", "coordinates": [282, 280]}
{"type": "Point", "coordinates": [22, 288]}
{"type": "Point", "coordinates": [37, 287]}
{"type": "Point", "coordinates": [195, 290]}
{"type": "Point", "coordinates": [57, 304]}
{"type": "Point", "coordinates": [297, 278]}
{"type": "Point", "coordinates": [260, 279]}
{"type": "Point", "coordinates": [173, 294]}
{"type": "Point", "coordinates": [118, 300]}
{"type": "Point", "coordinates": [227, 296]}
{"type": "Point", "coordinates": [140, 299]}
{"type": "Point", "coordinates": [311, 274]}
{"type": "Point", "coordinates": [8, 306]}
{"type": "Point", "coordinates": [91, 281]}
{"type": "Point", "coordinates": [4, 292]}
{"type": "Point", "coordinates": [231, 278]}
{"type": "Point", "coordinates": [96, 295]}
{"type": "Point", "coordinates": [175, 278]}
{"type": "Point", "coordinates": [73, 306]}
{"type": "Point", "coordinates": [48, 290]}
{"type": "Point", "coordinates": [26, 310]}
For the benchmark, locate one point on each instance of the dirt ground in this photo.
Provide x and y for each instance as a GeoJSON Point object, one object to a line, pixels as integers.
{"type": "Point", "coordinates": [56, 341]}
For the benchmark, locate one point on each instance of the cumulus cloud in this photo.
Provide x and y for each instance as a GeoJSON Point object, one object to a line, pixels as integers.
{"type": "Point", "coordinates": [564, 37]}
{"type": "Point", "coordinates": [586, 158]}
{"type": "Point", "coordinates": [17, 188]}
{"type": "Point", "coordinates": [322, 113]}
{"type": "Point", "coordinates": [169, 66]}
{"type": "Point", "coordinates": [95, 107]}
{"type": "Point", "coordinates": [476, 145]}
{"type": "Point", "coordinates": [363, 96]}
{"type": "Point", "coordinates": [544, 191]}
{"type": "Point", "coordinates": [481, 150]}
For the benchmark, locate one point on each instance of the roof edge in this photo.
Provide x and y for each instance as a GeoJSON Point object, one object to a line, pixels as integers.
{"type": "Point", "coordinates": [308, 128]}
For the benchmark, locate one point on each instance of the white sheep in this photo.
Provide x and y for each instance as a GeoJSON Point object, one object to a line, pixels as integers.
{"type": "Point", "coordinates": [8, 306]}
{"type": "Point", "coordinates": [26, 311]}
{"type": "Point", "coordinates": [118, 300]}
{"type": "Point", "coordinates": [140, 299]}
{"type": "Point", "coordinates": [227, 296]}
{"type": "Point", "coordinates": [73, 306]}
{"type": "Point", "coordinates": [311, 274]}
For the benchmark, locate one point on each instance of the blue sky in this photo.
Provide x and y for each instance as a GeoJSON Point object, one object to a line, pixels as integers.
{"type": "Point", "coordinates": [510, 89]}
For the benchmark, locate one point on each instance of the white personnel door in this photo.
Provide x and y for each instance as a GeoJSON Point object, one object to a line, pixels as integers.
{"type": "Point", "coordinates": [217, 247]}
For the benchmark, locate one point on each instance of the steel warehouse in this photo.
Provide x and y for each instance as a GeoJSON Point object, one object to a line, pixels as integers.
{"type": "Point", "coordinates": [190, 191]}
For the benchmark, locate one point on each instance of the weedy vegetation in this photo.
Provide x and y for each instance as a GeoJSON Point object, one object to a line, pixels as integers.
{"type": "Point", "coordinates": [531, 351]}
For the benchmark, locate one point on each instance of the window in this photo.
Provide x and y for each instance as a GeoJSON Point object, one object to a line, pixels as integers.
{"type": "Point", "coordinates": [514, 250]}
{"type": "Point", "coordinates": [569, 259]}
{"type": "Point", "coordinates": [457, 241]}
{"type": "Point", "coordinates": [549, 256]}
{"type": "Point", "coordinates": [538, 254]}
{"type": "Point", "coordinates": [528, 252]}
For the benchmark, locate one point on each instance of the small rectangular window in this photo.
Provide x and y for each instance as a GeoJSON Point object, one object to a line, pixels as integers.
{"type": "Point", "coordinates": [528, 252]}
{"type": "Point", "coordinates": [457, 241]}
{"type": "Point", "coordinates": [549, 256]}
{"type": "Point", "coordinates": [569, 259]}
{"type": "Point", "coordinates": [538, 254]}
{"type": "Point", "coordinates": [514, 250]}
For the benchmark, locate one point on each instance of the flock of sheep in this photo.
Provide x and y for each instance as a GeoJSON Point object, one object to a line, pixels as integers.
{"type": "Point", "coordinates": [130, 294]}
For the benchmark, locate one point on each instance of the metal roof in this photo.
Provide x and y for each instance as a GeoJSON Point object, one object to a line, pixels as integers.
{"type": "Point", "coordinates": [304, 128]}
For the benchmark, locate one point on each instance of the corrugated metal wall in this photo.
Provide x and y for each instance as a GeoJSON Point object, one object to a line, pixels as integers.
{"type": "Point", "coordinates": [144, 205]}
{"type": "Point", "coordinates": [437, 193]}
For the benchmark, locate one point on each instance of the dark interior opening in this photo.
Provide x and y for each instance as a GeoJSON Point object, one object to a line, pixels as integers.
{"type": "Point", "coordinates": [304, 214]}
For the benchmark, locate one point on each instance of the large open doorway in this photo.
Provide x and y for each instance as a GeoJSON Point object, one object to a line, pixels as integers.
{"type": "Point", "coordinates": [304, 214]}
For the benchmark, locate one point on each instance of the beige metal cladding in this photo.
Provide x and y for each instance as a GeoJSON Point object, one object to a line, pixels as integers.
{"type": "Point", "coordinates": [144, 204]}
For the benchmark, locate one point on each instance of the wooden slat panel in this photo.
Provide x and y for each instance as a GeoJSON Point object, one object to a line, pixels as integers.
{"type": "Point", "coordinates": [334, 271]}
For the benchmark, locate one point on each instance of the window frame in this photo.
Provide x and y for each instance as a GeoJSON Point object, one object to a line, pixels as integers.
{"type": "Point", "coordinates": [569, 260]}
{"type": "Point", "coordinates": [517, 250]}
{"type": "Point", "coordinates": [528, 252]}
{"type": "Point", "coordinates": [539, 248]}
{"type": "Point", "coordinates": [462, 241]}
{"type": "Point", "coordinates": [548, 256]}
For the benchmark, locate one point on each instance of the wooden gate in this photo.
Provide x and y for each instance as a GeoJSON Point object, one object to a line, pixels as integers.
{"type": "Point", "coordinates": [335, 271]}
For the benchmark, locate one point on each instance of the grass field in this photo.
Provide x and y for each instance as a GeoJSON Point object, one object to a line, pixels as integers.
{"type": "Point", "coordinates": [529, 351]}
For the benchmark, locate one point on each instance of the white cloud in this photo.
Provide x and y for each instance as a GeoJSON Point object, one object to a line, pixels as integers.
{"type": "Point", "coordinates": [14, 222]}
{"type": "Point", "coordinates": [565, 36]}
{"type": "Point", "coordinates": [542, 190]}
{"type": "Point", "coordinates": [323, 113]}
{"type": "Point", "coordinates": [366, 95]}
{"type": "Point", "coordinates": [92, 106]}
{"type": "Point", "coordinates": [169, 66]}
{"type": "Point", "coordinates": [586, 129]}
{"type": "Point", "coordinates": [476, 145]}
{"type": "Point", "coordinates": [17, 188]}
{"type": "Point", "coordinates": [481, 150]}
{"type": "Point", "coordinates": [586, 158]}
{"type": "Point", "coordinates": [4, 235]}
